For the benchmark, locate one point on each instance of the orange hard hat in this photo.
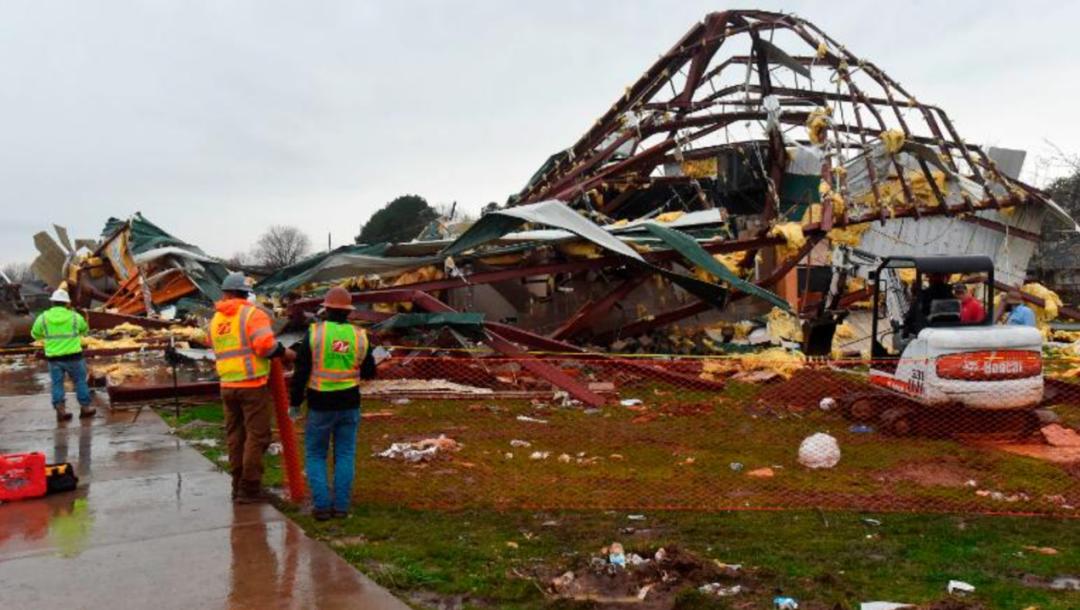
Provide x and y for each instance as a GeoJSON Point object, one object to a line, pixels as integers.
{"type": "Point", "coordinates": [337, 298]}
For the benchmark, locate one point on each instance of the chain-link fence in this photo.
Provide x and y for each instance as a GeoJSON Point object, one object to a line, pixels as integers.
{"type": "Point", "coordinates": [989, 432]}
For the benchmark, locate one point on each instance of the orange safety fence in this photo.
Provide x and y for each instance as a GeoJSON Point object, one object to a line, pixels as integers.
{"type": "Point", "coordinates": [760, 431]}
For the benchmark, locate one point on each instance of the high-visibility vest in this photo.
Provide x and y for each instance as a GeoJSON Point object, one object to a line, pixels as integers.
{"type": "Point", "coordinates": [337, 350]}
{"type": "Point", "coordinates": [60, 331]}
{"type": "Point", "coordinates": [236, 359]}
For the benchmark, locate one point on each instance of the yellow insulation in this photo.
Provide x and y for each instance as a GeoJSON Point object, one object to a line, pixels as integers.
{"type": "Point", "coordinates": [893, 139]}
{"type": "Point", "coordinates": [775, 359]}
{"type": "Point", "coordinates": [700, 168]}
{"type": "Point", "coordinates": [817, 124]}
{"type": "Point", "coordinates": [793, 236]}
{"type": "Point", "coordinates": [850, 235]}
{"type": "Point", "coordinates": [667, 217]}
{"type": "Point", "coordinates": [579, 249]}
{"type": "Point", "coordinates": [783, 325]}
{"type": "Point", "coordinates": [1049, 311]}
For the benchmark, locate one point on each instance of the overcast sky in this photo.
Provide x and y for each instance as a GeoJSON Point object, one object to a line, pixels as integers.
{"type": "Point", "coordinates": [218, 118]}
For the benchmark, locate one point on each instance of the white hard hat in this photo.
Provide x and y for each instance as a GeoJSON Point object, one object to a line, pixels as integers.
{"type": "Point", "coordinates": [60, 296]}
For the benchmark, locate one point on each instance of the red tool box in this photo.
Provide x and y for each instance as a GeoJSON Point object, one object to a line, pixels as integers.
{"type": "Point", "coordinates": [22, 475]}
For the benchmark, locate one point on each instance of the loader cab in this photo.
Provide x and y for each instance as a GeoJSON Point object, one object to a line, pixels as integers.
{"type": "Point", "coordinates": [931, 299]}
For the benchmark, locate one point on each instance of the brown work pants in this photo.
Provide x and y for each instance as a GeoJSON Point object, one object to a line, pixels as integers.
{"type": "Point", "coordinates": [247, 428]}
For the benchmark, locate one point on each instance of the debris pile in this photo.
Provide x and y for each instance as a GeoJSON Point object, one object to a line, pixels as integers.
{"type": "Point", "coordinates": [653, 576]}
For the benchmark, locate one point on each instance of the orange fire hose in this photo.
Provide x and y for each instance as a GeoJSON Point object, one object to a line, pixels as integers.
{"type": "Point", "coordinates": [290, 454]}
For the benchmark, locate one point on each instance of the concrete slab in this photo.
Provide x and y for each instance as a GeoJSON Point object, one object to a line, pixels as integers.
{"type": "Point", "coordinates": [151, 525]}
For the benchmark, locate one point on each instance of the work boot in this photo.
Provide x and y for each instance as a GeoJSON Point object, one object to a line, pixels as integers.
{"type": "Point", "coordinates": [341, 514]}
{"type": "Point", "coordinates": [235, 487]}
{"type": "Point", "coordinates": [87, 412]}
{"type": "Point", "coordinates": [62, 415]}
{"type": "Point", "coordinates": [253, 493]}
{"type": "Point", "coordinates": [322, 514]}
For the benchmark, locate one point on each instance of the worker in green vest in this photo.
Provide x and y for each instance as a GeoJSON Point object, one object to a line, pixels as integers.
{"type": "Point", "coordinates": [330, 361]}
{"type": "Point", "coordinates": [61, 329]}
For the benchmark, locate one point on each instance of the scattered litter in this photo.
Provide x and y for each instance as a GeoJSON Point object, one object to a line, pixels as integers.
{"type": "Point", "coordinates": [421, 451]}
{"type": "Point", "coordinates": [720, 590]}
{"type": "Point", "coordinates": [861, 429]}
{"type": "Point", "coordinates": [645, 591]}
{"type": "Point", "coordinates": [508, 455]}
{"type": "Point", "coordinates": [560, 583]}
{"type": "Point", "coordinates": [563, 398]}
{"type": "Point", "coordinates": [635, 560]}
{"type": "Point", "coordinates": [731, 570]}
{"type": "Point", "coordinates": [1042, 550]}
{"type": "Point", "coordinates": [539, 455]}
{"type": "Point", "coordinates": [1065, 583]}
{"type": "Point", "coordinates": [884, 606]}
{"type": "Point", "coordinates": [636, 517]}
{"type": "Point", "coordinates": [762, 473]}
{"type": "Point", "coordinates": [400, 401]}
{"type": "Point", "coordinates": [785, 603]}
{"type": "Point", "coordinates": [616, 555]}
{"type": "Point", "coordinates": [873, 522]}
{"type": "Point", "coordinates": [511, 544]}
{"type": "Point", "coordinates": [532, 420]}
{"type": "Point", "coordinates": [520, 443]}
{"type": "Point", "coordinates": [819, 451]}
{"type": "Point", "coordinates": [660, 555]}
{"type": "Point", "coordinates": [564, 458]}
{"type": "Point", "coordinates": [735, 466]}
{"type": "Point", "coordinates": [206, 442]}
{"type": "Point", "coordinates": [827, 404]}
{"type": "Point", "coordinates": [959, 586]}
{"type": "Point", "coordinates": [630, 402]}
{"type": "Point", "coordinates": [274, 449]}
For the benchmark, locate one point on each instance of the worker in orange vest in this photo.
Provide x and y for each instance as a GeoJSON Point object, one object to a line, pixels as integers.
{"type": "Point", "coordinates": [243, 345]}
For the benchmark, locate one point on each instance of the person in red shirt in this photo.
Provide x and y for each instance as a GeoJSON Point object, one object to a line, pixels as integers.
{"type": "Point", "coordinates": [971, 309]}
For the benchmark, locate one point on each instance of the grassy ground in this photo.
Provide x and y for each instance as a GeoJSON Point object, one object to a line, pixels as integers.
{"type": "Point", "coordinates": [483, 557]}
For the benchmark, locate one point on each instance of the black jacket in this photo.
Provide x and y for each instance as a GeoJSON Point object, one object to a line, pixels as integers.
{"type": "Point", "coordinates": [337, 400]}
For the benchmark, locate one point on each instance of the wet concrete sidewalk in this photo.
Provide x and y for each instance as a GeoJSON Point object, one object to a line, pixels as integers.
{"type": "Point", "coordinates": [152, 526]}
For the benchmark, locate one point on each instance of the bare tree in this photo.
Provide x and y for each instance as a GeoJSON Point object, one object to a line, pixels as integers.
{"type": "Point", "coordinates": [281, 246]}
{"type": "Point", "coordinates": [19, 273]}
{"type": "Point", "coordinates": [238, 260]}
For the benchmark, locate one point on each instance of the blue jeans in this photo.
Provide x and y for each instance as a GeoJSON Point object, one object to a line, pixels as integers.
{"type": "Point", "coordinates": [76, 369]}
{"type": "Point", "coordinates": [321, 427]}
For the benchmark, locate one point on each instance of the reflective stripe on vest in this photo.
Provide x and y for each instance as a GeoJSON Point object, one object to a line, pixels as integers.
{"type": "Point", "coordinates": [68, 335]}
{"type": "Point", "coordinates": [337, 350]}
{"type": "Point", "coordinates": [62, 341]}
{"type": "Point", "coordinates": [236, 360]}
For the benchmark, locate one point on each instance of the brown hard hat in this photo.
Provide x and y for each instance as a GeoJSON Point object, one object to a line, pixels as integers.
{"type": "Point", "coordinates": [337, 298]}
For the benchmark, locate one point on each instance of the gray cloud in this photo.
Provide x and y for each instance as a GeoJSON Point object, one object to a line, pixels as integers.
{"type": "Point", "coordinates": [216, 119]}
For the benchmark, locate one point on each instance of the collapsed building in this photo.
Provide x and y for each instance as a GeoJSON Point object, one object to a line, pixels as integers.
{"type": "Point", "coordinates": [712, 191]}
{"type": "Point", "coordinates": [728, 169]}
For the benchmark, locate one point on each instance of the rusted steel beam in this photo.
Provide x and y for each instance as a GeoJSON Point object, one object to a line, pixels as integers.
{"type": "Point", "coordinates": [591, 311]}
{"type": "Point", "coordinates": [148, 392]}
{"type": "Point", "coordinates": [506, 347]}
{"type": "Point", "coordinates": [1002, 228]}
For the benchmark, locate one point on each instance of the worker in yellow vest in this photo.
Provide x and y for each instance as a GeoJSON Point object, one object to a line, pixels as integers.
{"type": "Point", "coordinates": [330, 362]}
{"type": "Point", "coordinates": [61, 329]}
{"type": "Point", "coordinates": [243, 345]}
